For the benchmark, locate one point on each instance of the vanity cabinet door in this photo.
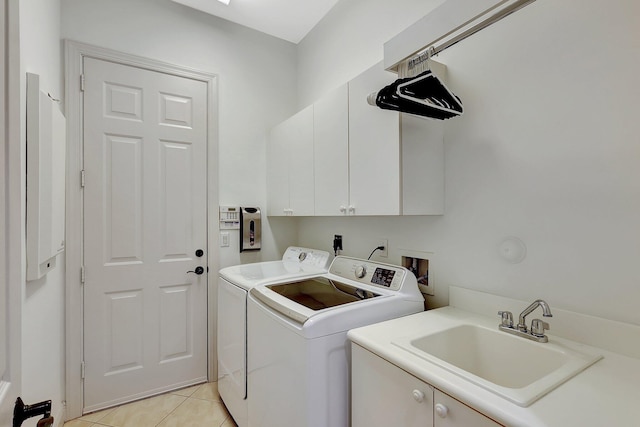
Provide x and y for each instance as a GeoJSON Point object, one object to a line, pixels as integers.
{"type": "Point", "coordinates": [383, 395]}
{"type": "Point", "coordinates": [451, 413]}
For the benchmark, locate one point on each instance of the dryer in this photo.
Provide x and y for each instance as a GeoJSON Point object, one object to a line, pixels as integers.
{"type": "Point", "coordinates": [299, 359]}
{"type": "Point", "coordinates": [233, 285]}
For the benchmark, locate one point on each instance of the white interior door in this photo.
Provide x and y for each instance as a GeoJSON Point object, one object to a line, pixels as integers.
{"type": "Point", "coordinates": [145, 212]}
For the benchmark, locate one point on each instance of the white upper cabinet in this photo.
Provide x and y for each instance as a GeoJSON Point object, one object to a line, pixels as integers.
{"type": "Point", "coordinates": [342, 156]}
{"type": "Point", "coordinates": [290, 172]}
{"type": "Point", "coordinates": [374, 148]}
{"type": "Point", "coordinates": [331, 152]}
{"type": "Point", "coordinates": [396, 161]}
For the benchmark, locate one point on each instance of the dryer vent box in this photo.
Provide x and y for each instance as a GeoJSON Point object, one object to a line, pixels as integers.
{"type": "Point", "coordinates": [418, 264]}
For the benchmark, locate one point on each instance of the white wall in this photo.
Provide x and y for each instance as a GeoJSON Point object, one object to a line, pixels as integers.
{"type": "Point", "coordinates": [256, 86]}
{"type": "Point", "coordinates": [547, 151]}
{"type": "Point", "coordinates": [43, 300]}
{"type": "Point", "coordinates": [349, 39]}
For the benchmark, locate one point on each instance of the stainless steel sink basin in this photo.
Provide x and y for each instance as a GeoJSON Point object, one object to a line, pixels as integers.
{"type": "Point", "coordinates": [517, 369]}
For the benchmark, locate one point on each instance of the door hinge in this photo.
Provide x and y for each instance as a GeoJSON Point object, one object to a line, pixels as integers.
{"type": "Point", "coordinates": [82, 178]}
{"type": "Point", "coordinates": [82, 369]}
{"type": "Point", "coordinates": [82, 276]}
{"type": "Point", "coordinates": [81, 82]}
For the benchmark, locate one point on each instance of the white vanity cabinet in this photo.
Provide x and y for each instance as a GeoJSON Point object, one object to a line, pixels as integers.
{"type": "Point", "coordinates": [290, 172]}
{"type": "Point", "coordinates": [384, 395]}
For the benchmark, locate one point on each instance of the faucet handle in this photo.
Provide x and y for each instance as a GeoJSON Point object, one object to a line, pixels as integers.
{"type": "Point", "coordinates": [538, 327]}
{"type": "Point", "coordinates": [507, 319]}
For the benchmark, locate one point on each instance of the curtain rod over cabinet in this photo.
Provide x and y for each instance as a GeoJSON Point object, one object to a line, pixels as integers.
{"type": "Point", "coordinates": [446, 25]}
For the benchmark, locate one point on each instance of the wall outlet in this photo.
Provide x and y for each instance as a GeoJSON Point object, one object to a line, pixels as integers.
{"type": "Point", "coordinates": [384, 253]}
{"type": "Point", "coordinates": [337, 243]}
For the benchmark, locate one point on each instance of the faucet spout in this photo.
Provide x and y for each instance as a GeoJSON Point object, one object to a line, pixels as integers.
{"type": "Point", "coordinates": [546, 312]}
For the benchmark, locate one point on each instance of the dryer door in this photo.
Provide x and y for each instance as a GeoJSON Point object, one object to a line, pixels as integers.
{"type": "Point", "coordinates": [232, 340]}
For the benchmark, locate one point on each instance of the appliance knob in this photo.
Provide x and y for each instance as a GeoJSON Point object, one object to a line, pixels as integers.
{"type": "Point", "coordinates": [361, 271]}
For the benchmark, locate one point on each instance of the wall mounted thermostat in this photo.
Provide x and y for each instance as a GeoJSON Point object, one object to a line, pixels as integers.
{"type": "Point", "coordinates": [229, 218]}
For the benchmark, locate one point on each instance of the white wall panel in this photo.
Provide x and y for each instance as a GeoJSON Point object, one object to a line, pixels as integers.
{"type": "Point", "coordinates": [43, 300]}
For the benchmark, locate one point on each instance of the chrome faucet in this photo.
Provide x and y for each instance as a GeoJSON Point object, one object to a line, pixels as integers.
{"type": "Point", "coordinates": [538, 327]}
{"type": "Point", "coordinates": [546, 312]}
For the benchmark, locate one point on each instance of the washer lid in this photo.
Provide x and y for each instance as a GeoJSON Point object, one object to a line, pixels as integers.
{"type": "Point", "coordinates": [302, 299]}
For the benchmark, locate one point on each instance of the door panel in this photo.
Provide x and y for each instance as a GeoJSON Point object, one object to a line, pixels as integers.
{"type": "Point", "coordinates": [144, 217]}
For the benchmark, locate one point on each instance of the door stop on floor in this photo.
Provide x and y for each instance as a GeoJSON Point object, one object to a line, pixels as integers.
{"type": "Point", "coordinates": [22, 412]}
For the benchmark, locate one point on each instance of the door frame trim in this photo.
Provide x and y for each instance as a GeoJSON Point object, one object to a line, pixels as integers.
{"type": "Point", "coordinates": [74, 55]}
{"type": "Point", "coordinates": [12, 207]}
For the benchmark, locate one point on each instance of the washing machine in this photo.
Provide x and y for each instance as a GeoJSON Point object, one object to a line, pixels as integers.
{"type": "Point", "coordinates": [233, 286]}
{"type": "Point", "coordinates": [299, 359]}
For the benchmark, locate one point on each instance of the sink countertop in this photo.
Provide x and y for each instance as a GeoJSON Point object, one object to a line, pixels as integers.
{"type": "Point", "coordinates": [605, 394]}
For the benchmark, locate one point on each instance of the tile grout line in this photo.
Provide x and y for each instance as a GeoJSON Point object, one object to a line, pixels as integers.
{"type": "Point", "coordinates": [174, 409]}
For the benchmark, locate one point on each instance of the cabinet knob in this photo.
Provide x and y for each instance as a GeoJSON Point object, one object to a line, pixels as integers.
{"type": "Point", "coordinates": [418, 396]}
{"type": "Point", "coordinates": [442, 410]}
{"type": "Point", "coordinates": [343, 209]}
{"type": "Point", "coordinates": [352, 209]}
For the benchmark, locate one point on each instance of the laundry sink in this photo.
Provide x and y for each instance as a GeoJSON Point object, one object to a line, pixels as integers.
{"type": "Point", "coordinates": [515, 368]}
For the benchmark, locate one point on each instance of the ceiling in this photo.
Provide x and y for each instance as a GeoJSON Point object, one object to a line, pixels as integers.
{"type": "Point", "coordinates": [290, 20]}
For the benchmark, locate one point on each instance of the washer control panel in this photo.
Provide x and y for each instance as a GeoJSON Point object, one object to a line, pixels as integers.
{"type": "Point", "coordinates": [308, 257]}
{"type": "Point", "coordinates": [371, 273]}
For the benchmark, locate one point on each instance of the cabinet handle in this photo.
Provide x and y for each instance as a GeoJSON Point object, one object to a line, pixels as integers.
{"type": "Point", "coordinates": [352, 209]}
{"type": "Point", "coordinates": [418, 396]}
{"type": "Point", "coordinates": [343, 209]}
{"type": "Point", "coordinates": [442, 410]}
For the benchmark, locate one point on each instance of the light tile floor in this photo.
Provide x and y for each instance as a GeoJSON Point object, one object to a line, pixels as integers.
{"type": "Point", "coordinates": [197, 406]}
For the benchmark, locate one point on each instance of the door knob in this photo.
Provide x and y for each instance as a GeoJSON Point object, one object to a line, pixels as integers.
{"type": "Point", "coordinates": [199, 270]}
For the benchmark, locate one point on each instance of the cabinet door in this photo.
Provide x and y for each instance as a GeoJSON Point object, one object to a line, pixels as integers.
{"type": "Point", "coordinates": [374, 147]}
{"type": "Point", "coordinates": [290, 166]}
{"type": "Point", "coordinates": [331, 152]}
{"type": "Point", "coordinates": [383, 395]}
{"type": "Point", "coordinates": [451, 413]}
{"type": "Point", "coordinates": [301, 176]}
{"type": "Point", "coordinates": [278, 158]}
